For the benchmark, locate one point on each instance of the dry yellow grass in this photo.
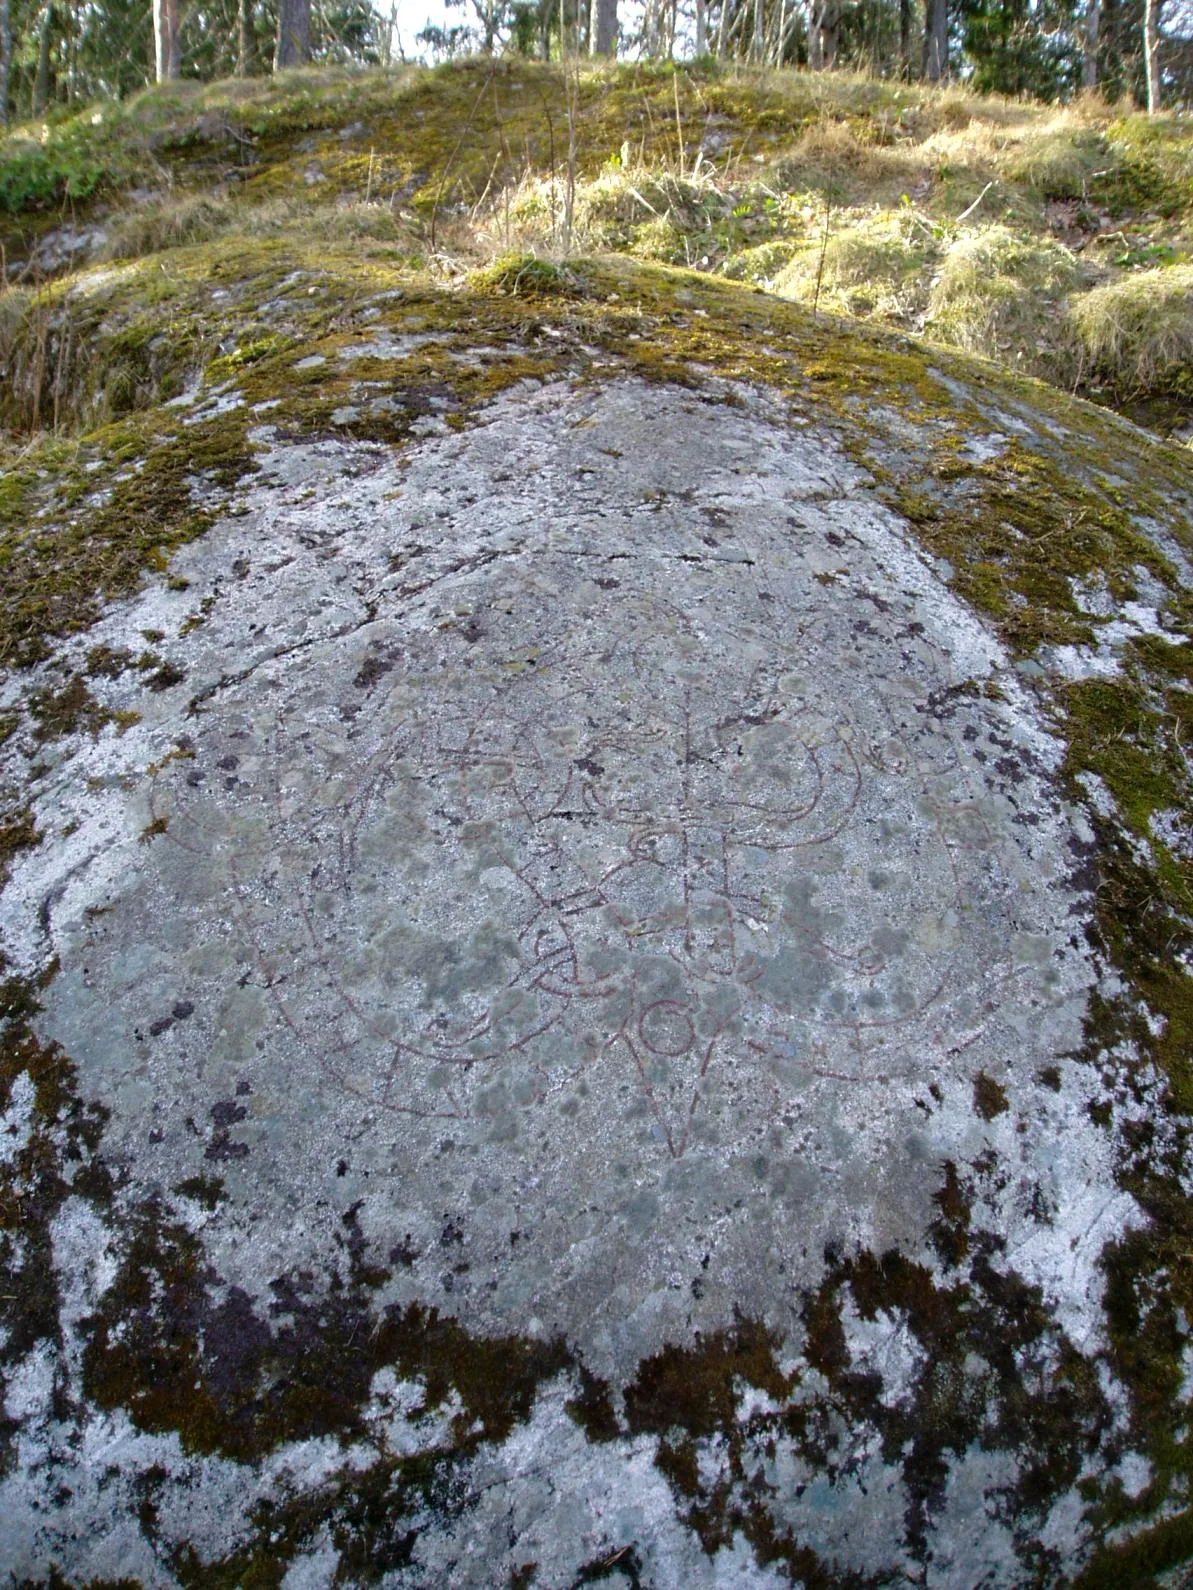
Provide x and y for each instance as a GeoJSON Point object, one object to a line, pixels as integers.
{"type": "Point", "coordinates": [877, 267]}
{"type": "Point", "coordinates": [1137, 334]}
{"type": "Point", "coordinates": [997, 294]}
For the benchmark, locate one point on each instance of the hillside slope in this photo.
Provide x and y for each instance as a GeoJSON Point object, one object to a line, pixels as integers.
{"type": "Point", "coordinates": [1056, 242]}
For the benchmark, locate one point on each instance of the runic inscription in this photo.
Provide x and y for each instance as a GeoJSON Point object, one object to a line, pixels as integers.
{"type": "Point", "coordinates": [472, 888]}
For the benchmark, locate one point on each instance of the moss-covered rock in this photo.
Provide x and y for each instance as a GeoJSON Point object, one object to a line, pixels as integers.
{"type": "Point", "coordinates": [599, 928]}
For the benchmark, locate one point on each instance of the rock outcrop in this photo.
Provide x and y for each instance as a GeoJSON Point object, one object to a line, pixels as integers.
{"type": "Point", "coordinates": [598, 946]}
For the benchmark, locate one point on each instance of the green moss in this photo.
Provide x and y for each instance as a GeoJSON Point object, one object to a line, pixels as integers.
{"type": "Point", "coordinates": [18, 831]}
{"type": "Point", "coordinates": [1151, 169]}
{"type": "Point", "coordinates": [1166, 1545]}
{"type": "Point", "coordinates": [58, 578]}
{"type": "Point", "coordinates": [70, 160]}
{"type": "Point", "coordinates": [1116, 733]}
{"type": "Point", "coordinates": [67, 710]}
{"type": "Point", "coordinates": [80, 353]}
{"type": "Point", "coordinates": [523, 276]}
{"type": "Point", "coordinates": [229, 365]}
{"type": "Point", "coordinates": [108, 662]}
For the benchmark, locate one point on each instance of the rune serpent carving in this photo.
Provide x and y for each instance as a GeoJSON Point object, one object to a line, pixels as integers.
{"type": "Point", "coordinates": [471, 889]}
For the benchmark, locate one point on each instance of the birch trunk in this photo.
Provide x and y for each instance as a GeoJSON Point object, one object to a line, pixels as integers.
{"type": "Point", "coordinates": [167, 40]}
{"type": "Point", "coordinates": [1151, 53]}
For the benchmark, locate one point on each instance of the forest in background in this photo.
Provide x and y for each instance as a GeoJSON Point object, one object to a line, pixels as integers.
{"type": "Point", "coordinates": [60, 54]}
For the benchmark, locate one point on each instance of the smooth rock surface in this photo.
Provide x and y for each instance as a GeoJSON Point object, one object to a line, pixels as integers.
{"type": "Point", "coordinates": [620, 872]}
{"type": "Point", "coordinates": [593, 870]}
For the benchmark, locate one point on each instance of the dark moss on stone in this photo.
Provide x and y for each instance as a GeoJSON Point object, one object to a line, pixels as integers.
{"type": "Point", "coordinates": [989, 1097]}
{"type": "Point", "coordinates": [693, 1389]}
{"type": "Point", "coordinates": [66, 710]}
{"type": "Point", "coordinates": [60, 1157]}
{"type": "Point", "coordinates": [18, 831]}
{"type": "Point", "coordinates": [229, 1380]}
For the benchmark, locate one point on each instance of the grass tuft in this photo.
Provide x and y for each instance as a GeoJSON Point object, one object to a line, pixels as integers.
{"type": "Point", "coordinates": [997, 294]}
{"type": "Point", "coordinates": [876, 267]}
{"type": "Point", "coordinates": [165, 223]}
{"type": "Point", "coordinates": [1136, 335]}
{"type": "Point", "coordinates": [524, 276]}
{"type": "Point", "coordinates": [1059, 160]}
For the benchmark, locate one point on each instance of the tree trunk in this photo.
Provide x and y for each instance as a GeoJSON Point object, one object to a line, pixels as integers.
{"type": "Point", "coordinates": [790, 31]}
{"type": "Point", "coordinates": [824, 30]}
{"type": "Point", "coordinates": [830, 32]}
{"type": "Point", "coordinates": [701, 29]}
{"type": "Point", "coordinates": [1151, 53]}
{"type": "Point", "coordinates": [936, 41]}
{"type": "Point", "coordinates": [759, 33]}
{"type": "Point", "coordinates": [388, 31]}
{"type": "Point", "coordinates": [167, 40]}
{"type": "Point", "coordinates": [904, 39]}
{"type": "Point", "coordinates": [294, 34]}
{"type": "Point", "coordinates": [1089, 55]}
{"type": "Point", "coordinates": [602, 27]}
{"type": "Point", "coordinates": [41, 83]}
{"type": "Point", "coordinates": [722, 23]}
{"type": "Point", "coordinates": [655, 20]}
{"type": "Point", "coordinates": [5, 60]}
{"type": "Point", "coordinates": [244, 37]}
